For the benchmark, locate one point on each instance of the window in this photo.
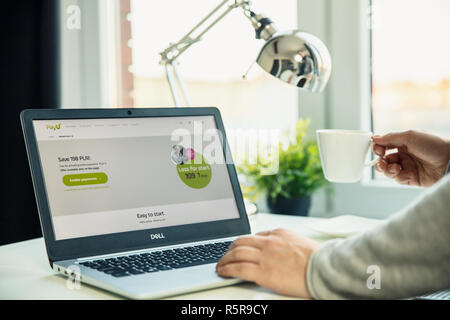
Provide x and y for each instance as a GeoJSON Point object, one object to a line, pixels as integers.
{"type": "Point", "coordinates": [212, 68]}
{"type": "Point", "coordinates": [346, 104]}
{"type": "Point", "coordinates": [411, 76]}
{"type": "Point", "coordinates": [410, 68]}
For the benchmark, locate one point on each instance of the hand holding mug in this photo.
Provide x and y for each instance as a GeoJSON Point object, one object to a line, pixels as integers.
{"type": "Point", "coordinates": [421, 159]}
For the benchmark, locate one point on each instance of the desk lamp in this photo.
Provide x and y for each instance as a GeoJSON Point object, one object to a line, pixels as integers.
{"type": "Point", "coordinates": [295, 57]}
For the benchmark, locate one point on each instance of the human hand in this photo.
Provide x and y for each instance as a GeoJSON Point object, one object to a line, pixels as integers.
{"type": "Point", "coordinates": [276, 260]}
{"type": "Point", "coordinates": [421, 159]}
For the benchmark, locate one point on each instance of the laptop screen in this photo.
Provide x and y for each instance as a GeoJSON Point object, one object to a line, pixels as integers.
{"type": "Point", "coordinates": [105, 176]}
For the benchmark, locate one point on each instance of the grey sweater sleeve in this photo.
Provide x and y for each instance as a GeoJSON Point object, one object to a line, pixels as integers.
{"type": "Point", "coordinates": [410, 252]}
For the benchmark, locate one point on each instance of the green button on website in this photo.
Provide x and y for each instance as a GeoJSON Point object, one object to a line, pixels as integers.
{"type": "Point", "coordinates": [84, 179]}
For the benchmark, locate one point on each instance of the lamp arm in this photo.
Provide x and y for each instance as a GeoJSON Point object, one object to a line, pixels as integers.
{"type": "Point", "coordinates": [198, 25]}
{"type": "Point", "coordinates": [174, 51]}
{"type": "Point", "coordinates": [264, 30]}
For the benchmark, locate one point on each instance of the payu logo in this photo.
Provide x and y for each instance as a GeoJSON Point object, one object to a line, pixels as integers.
{"type": "Point", "coordinates": [54, 127]}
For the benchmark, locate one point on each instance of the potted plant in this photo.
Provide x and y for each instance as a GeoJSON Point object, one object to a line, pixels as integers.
{"type": "Point", "coordinates": [299, 174]}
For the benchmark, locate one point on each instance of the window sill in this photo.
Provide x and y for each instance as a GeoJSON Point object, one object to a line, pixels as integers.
{"type": "Point", "coordinates": [378, 183]}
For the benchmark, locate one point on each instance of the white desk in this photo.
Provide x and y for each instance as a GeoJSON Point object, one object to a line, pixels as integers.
{"type": "Point", "coordinates": [26, 274]}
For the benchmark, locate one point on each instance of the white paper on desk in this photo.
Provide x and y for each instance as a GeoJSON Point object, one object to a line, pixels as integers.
{"type": "Point", "coordinates": [343, 226]}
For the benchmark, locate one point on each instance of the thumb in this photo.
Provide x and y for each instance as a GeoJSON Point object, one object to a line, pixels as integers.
{"type": "Point", "coordinates": [391, 139]}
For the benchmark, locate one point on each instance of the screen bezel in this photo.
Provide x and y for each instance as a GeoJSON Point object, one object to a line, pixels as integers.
{"type": "Point", "coordinates": [59, 250]}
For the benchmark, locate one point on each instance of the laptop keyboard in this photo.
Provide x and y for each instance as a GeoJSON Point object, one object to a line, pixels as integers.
{"type": "Point", "coordinates": [160, 260]}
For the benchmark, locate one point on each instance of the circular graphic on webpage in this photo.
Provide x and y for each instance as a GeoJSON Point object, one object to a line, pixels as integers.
{"type": "Point", "coordinates": [192, 167]}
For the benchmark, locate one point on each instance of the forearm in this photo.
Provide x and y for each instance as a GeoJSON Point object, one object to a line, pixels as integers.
{"type": "Point", "coordinates": [411, 251]}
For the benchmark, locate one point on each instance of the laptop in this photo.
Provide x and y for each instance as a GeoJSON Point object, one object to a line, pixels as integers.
{"type": "Point", "coordinates": [138, 202]}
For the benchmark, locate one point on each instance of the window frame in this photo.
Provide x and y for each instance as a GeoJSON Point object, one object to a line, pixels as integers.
{"type": "Point", "coordinates": [90, 71]}
{"type": "Point", "coordinates": [344, 27]}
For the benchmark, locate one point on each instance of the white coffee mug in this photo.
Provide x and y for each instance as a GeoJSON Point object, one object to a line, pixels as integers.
{"type": "Point", "coordinates": [343, 154]}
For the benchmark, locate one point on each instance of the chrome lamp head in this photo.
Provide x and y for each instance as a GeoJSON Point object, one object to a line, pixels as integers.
{"type": "Point", "coordinates": [297, 58]}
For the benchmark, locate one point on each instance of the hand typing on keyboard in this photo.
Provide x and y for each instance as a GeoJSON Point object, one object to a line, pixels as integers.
{"type": "Point", "coordinates": [154, 261]}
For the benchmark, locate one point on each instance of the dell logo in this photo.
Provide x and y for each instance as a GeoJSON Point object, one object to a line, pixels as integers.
{"type": "Point", "coordinates": [155, 236]}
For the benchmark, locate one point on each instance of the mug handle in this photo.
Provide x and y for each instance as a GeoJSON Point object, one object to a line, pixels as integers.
{"type": "Point", "coordinates": [374, 161]}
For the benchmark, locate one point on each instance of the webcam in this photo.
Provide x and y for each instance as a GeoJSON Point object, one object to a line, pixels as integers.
{"type": "Point", "coordinates": [129, 112]}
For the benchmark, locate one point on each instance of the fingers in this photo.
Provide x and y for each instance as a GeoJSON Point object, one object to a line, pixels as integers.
{"type": "Point", "coordinates": [240, 254]}
{"type": "Point", "coordinates": [408, 176]}
{"type": "Point", "coordinates": [399, 166]}
{"type": "Point", "coordinates": [240, 261]}
{"type": "Point", "coordinates": [250, 241]}
{"type": "Point", "coordinates": [275, 232]}
{"type": "Point", "coordinates": [381, 165]}
{"type": "Point", "coordinates": [243, 270]}
{"type": "Point", "coordinates": [379, 150]}
{"type": "Point", "coordinates": [392, 158]}
{"type": "Point", "coordinates": [389, 166]}
{"type": "Point", "coordinates": [393, 170]}
{"type": "Point", "coordinates": [264, 233]}
{"type": "Point", "coordinates": [392, 139]}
